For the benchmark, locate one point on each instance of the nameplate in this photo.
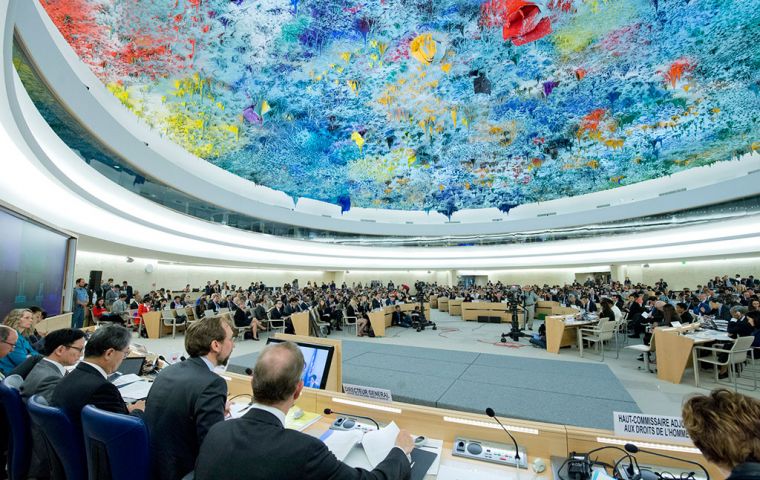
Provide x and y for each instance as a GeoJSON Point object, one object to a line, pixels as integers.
{"type": "Point", "coordinates": [657, 427]}
{"type": "Point", "coordinates": [371, 393]}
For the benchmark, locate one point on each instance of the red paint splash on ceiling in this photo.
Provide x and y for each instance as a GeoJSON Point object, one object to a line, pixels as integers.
{"type": "Point", "coordinates": [75, 20]}
{"type": "Point", "coordinates": [677, 70]}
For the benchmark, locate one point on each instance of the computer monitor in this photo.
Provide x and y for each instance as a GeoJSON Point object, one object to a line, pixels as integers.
{"type": "Point", "coordinates": [317, 359]}
{"type": "Point", "coordinates": [131, 365]}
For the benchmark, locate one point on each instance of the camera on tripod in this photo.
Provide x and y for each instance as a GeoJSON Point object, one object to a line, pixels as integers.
{"type": "Point", "coordinates": [515, 298]}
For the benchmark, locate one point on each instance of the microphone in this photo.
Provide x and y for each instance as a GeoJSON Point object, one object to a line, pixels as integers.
{"type": "Point", "coordinates": [329, 411]}
{"type": "Point", "coordinates": [630, 447]}
{"type": "Point", "coordinates": [248, 371]}
{"type": "Point", "coordinates": [492, 414]}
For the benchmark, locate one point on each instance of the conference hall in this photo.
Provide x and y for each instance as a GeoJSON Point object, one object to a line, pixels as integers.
{"type": "Point", "coordinates": [392, 239]}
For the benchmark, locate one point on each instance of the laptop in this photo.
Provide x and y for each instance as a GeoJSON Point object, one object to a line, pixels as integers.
{"type": "Point", "coordinates": [132, 365]}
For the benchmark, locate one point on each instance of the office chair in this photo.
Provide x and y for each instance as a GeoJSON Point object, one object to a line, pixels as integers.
{"type": "Point", "coordinates": [62, 434]}
{"type": "Point", "coordinates": [17, 418]}
{"type": "Point", "coordinates": [123, 438]}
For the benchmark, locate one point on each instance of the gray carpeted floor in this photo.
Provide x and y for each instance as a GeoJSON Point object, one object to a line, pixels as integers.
{"type": "Point", "coordinates": [553, 391]}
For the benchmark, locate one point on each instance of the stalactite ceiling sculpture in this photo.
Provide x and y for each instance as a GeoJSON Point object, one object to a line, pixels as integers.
{"type": "Point", "coordinates": [438, 105]}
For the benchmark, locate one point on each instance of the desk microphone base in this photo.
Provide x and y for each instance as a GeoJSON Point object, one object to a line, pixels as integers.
{"type": "Point", "coordinates": [489, 452]}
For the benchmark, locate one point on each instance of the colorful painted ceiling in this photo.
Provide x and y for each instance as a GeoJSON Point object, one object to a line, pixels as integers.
{"type": "Point", "coordinates": [442, 105]}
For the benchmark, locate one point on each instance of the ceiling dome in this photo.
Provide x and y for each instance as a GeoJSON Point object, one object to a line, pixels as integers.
{"type": "Point", "coordinates": [444, 105]}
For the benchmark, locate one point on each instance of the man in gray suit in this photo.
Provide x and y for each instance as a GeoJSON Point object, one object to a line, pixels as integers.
{"type": "Point", "coordinates": [63, 348]}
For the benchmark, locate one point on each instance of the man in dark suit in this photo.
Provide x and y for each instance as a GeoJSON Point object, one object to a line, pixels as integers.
{"type": "Point", "coordinates": [278, 452]}
{"type": "Point", "coordinates": [88, 384]}
{"type": "Point", "coordinates": [63, 348]}
{"type": "Point", "coordinates": [187, 399]}
{"type": "Point", "coordinates": [587, 304]}
{"type": "Point", "coordinates": [682, 309]}
{"type": "Point", "coordinates": [377, 303]}
{"type": "Point", "coordinates": [280, 311]}
{"type": "Point", "coordinates": [127, 289]}
{"type": "Point", "coordinates": [718, 310]}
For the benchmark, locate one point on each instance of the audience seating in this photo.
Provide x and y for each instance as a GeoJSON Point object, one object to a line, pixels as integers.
{"type": "Point", "coordinates": [20, 435]}
{"type": "Point", "coordinates": [348, 322]}
{"type": "Point", "coordinates": [170, 320]}
{"type": "Point", "coordinates": [645, 350]}
{"type": "Point", "coordinates": [125, 440]}
{"type": "Point", "coordinates": [320, 327]}
{"type": "Point", "coordinates": [63, 435]}
{"type": "Point", "coordinates": [603, 332]}
{"type": "Point", "coordinates": [277, 324]}
{"type": "Point", "coordinates": [739, 353]}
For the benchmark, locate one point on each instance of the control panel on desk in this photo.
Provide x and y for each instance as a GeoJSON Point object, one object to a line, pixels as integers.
{"type": "Point", "coordinates": [346, 423]}
{"type": "Point", "coordinates": [489, 452]}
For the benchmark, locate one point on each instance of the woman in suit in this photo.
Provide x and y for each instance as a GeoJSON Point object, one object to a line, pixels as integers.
{"type": "Point", "coordinates": [243, 319]}
{"type": "Point", "coordinates": [21, 320]}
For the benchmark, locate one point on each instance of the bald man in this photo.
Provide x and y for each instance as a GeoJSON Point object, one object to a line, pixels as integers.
{"type": "Point", "coordinates": [257, 446]}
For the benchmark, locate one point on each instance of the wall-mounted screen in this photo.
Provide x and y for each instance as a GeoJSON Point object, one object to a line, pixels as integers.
{"type": "Point", "coordinates": [32, 265]}
{"type": "Point", "coordinates": [317, 359]}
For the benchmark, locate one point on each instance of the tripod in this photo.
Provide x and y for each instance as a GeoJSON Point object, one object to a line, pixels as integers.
{"type": "Point", "coordinates": [427, 323]}
{"type": "Point", "coordinates": [515, 333]}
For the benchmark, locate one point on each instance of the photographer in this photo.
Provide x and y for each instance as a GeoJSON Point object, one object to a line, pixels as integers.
{"type": "Point", "coordinates": [530, 300]}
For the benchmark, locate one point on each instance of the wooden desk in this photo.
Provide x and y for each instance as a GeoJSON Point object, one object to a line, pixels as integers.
{"type": "Point", "coordinates": [455, 307]}
{"type": "Point", "coordinates": [552, 308]}
{"type": "Point", "coordinates": [541, 440]}
{"type": "Point", "coordinates": [443, 304]}
{"type": "Point", "coordinates": [560, 333]}
{"type": "Point", "coordinates": [472, 310]}
{"type": "Point", "coordinates": [301, 323]}
{"type": "Point", "coordinates": [434, 302]}
{"type": "Point", "coordinates": [674, 350]}
{"type": "Point", "coordinates": [153, 324]}
{"type": "Point", "coordinates": [381, 319]}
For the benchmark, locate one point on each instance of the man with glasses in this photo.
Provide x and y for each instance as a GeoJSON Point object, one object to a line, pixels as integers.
{"type": "Point", "coordinates": [63, 348]}
{"type": "Point", "coordinates": [8, 339]}
{"type": "Point", "coordinates": [88, 383]}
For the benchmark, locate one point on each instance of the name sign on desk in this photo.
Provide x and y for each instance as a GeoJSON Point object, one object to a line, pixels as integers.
{"type": "Point", "coordinates": [658, 427]}
{"type": "Point", "coordinates": [371, 393]}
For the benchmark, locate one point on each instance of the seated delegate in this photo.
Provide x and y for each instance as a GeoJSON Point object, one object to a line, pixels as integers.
{"type": "Point", "coordinates": [19, 319]}
{"type": "Point", "coordinates": [724, 426]}
{"type": "Point", "coordinates": [277, 452]}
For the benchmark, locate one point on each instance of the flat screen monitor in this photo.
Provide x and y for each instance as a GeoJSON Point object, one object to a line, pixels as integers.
{"type": "Point", "coordinates": [33, 262]}
{"type": "Point", "coordinates": [317, 359]}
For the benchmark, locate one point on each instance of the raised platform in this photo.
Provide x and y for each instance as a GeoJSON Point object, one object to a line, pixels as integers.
{"type": "Point", "coordinates": [555, 391]}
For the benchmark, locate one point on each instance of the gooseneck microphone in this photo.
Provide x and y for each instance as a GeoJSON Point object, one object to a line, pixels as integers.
{"type": "Point", "coordinates": [630, 447]}
{"type": "Point", "coordinates": [329, 411]}
{"type": "Point", "coordinates": [492, 414]}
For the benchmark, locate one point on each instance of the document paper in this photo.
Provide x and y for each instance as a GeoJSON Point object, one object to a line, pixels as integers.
{"type": "Point", "coordinates": [378, 443]}
{"type": "Point", "coordinates": [341, 442]}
